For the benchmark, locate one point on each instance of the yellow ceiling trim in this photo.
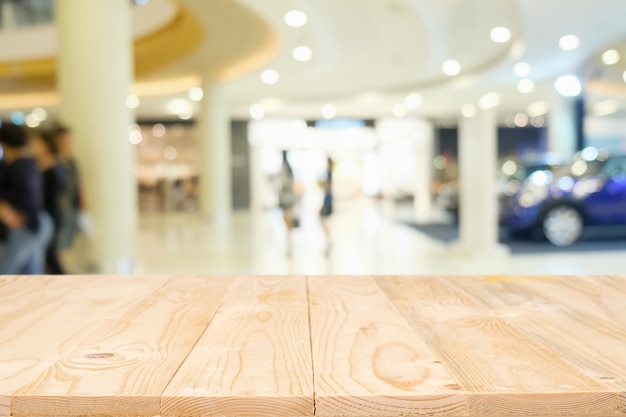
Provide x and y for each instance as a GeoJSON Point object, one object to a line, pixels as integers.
{"type": "Point", "coordinates": [177, 40]}
{"type": "Point", "coordinates": [173, 42]}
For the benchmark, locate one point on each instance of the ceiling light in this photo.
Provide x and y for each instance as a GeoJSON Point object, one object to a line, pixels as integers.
{"type": "Point", "coordinates": [169, 153]}
{"type": "Point", "coordinates": [469, 110]}
{"type": "Point", "coordinates": [500, 34]}
{"type": "Point", "coordinates": [135, 137]}
{"type": "Point", "coordinates": [270, 76]}
{"type": "Point", "coordinates": [538, 108]}
{"type": "Point", "coordinates": [158, 130]}
{"type": "Point", "coordinates": [295, 18]}
{"type": "Point", "coordinates": [521, 69]}
{"type": "Point", "coordinates": [398, 110]}
{"type": "Point", "coordinates": [257, 111]}
{"type": "Point", "coordinates": [412, 101]}
{"type": "Point", "coordinates": [40, 113]}
{"type": "Point", "coordinates": [537, 121]}
{"type": "Point", "coordinates": [451, 67]}
{"type": "Point", "coordinates": [489, 101]}
{"type": "Point", "coordinates": [606, 107]}
{"type": "Point", "coordinates": [520, 120]}
{"type": "Point", "coordinates": [610, 57]}
{"type": "Point", "coordinates": [568, 86]}
{"type": "Point", "coordinates": [302, 53]}
{"type": "Point", "coordinates": [196, 94]}
{"type": "Point", "coordinates": [179, 106]}
{"type": "Point", "coordinates": [569, 42]}
{"type": "Point", "coordinates": [329, 111]}
{"type": "Point", "coordinates": [624, 76]}
{"type": "Point", "coordinates": [185, 116]}
{"type": "Point", "coordinates": [132, 101]}
{"type": "Point", "coordinates": [525, 86]}
{"type": "Point", "coordinates": [32, 120]}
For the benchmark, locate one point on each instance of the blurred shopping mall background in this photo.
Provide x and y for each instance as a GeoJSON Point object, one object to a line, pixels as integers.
{"type": "Point", "coordinates": [478, 136]}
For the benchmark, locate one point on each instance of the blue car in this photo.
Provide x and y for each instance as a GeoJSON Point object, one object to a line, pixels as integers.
{"type": "Point", "coordinates": [560, 201]}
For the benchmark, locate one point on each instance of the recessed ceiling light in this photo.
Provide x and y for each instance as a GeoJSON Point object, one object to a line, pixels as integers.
{"type": "Point", "coordinates": [132, 101]}
{"type": "Point", "coordinates": [525, 86]}
{"type": "Point", "coordinates": [489, 101]}
{"type": "Point", "coordinates": [412, 101]}
{"type": "Point", "coordinates": [302, 53]}
{"type": "Point", "coordinates": [568, 86]}
{"type": "Point", "coordinates": [610, 57]}
{"type": "Point", "coordinates": [296, 18]}
{"type": "Point", "coordinates": [179, 106]}
{"type": "Point", "coordinates": [270, 76]}
{"type": "Point", "coordinates": [32, 120]}
{"type": "Point", "coordinates": [500, 34]}
{"type": "Point", "coordinates": [569, 42]}
{"type": "Point", "coordinates": [520, 120]}
{"type": "Point", "coordinates": [257, 112]}
{"type": "Point", "coordinates": [469, 110]}
{"type": "Point", "coordinates": [329, 111]}
{"type": "Point", "coordinates": [196, 94]}
{"type": "Point", "coordinates": [624, 76]}
{"type": "Point", "coordinates": [451, 67]}
{"type": "Point", "coordinates": [40, 113]}
{"type": "Point", "coordinates": [398, 110]}
{"type": "Point", "coordinates": [606, 107]}
{"type": "Point", "coordinates": [521, 69]}
{"type": "Point", "coordinates": [538, 108]}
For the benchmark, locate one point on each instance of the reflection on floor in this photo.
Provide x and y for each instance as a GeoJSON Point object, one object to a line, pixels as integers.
{"type": "Point", "coordinates": [367, 238]}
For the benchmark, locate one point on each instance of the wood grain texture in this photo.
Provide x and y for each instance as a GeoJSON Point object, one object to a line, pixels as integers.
{"type": "Point", "coordinates": [367, 358]}
{"type": "Point", "coordinates": [120, 362]}
{"type": "Point", "coordinates": [254, 359]}
{"type": "Point", "coordinates": [503, 370]}
{"type": "Point", "coordinates": [39, 314]}
{"type": "Point", "coordinates": [501, 346]}
{"type": "Point", "coordinates": [575, 317]}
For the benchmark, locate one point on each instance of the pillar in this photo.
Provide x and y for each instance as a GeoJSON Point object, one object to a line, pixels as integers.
{"type": "Point", "coordinates": [478, 198]}
{"type": "Point", "coordinates": [94, 76]}
{"type": "Point", "coordinates": [214, 143]}
{"type": "Point", "coordinates": [563, 126]}
{"type": "Point", "coordinates": [424, 148]}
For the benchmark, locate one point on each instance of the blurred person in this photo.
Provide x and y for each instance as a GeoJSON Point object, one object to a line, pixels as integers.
{"type": "Point", "coordinates": [72, 201]}
{"type": "Point", "coordinates": [327, 205]}
{"type": "Point", "coordinates": [287, 197]}
{"type": "Point", "coordinates": [25, 229]}
{"type": "Point", "coordinates": [45, 152]}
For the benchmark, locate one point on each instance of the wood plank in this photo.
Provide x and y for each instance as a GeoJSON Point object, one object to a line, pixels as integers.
{"type": "Point", "coordinates": [120, 363]}
{"type": "Point", "coordinates": [254, 359]}
{"type": "Point", "coordinates": [367, 358]}
{"type": "Point", "coordinates": [503, 370]}
{"type": "Point", "coordinates": [51, 309]}
{"type": "Point", "coordinates": [567, 314]}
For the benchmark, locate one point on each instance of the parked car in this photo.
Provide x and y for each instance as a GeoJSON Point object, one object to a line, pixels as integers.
{"type": "Point", "coordinates": [559, 202]}
{"type": "Point", "coordinates": [510, 177]}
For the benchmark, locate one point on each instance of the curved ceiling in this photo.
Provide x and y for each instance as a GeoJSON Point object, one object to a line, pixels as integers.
{"type": "Point", "coordinates": [369, 54]}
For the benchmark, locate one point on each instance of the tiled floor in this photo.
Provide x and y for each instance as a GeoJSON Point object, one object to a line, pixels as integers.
{"type": "Point", "coordinates": [366, 239]}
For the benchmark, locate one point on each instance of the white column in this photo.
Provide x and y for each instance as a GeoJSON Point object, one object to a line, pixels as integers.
{"type": "Point", "coordinates": [214, 141]}
{"type": "Point", "coordinates": [94, 75]}
{"type": "Point", "coordinates": [562, 126]}
{"type": "Point", "coordinates": [258, 187]}
{"type": "Point", "coordinates": [424, 146]}
{"type": "Point", "coordinates": [478, 199]}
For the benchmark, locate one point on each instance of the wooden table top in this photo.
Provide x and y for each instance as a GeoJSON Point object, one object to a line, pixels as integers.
{"type": "Point", "coordinates": [303, 346]}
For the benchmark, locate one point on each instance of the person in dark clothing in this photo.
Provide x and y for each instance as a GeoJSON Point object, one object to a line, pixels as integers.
{"type": "Point", "coordinates": [25, 229]}
{"type": "Point", "coordinates": [72, 201]}
{"type": "Point", "coordinates": [44, 150]}
{"type": "Point", "coordinates": [327, 206]}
